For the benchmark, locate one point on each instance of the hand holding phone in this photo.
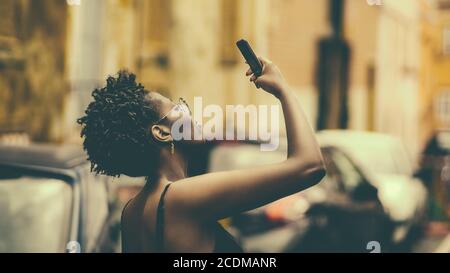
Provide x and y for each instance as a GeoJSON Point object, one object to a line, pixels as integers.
{"type": "Point", "coordinates": [250, 57]}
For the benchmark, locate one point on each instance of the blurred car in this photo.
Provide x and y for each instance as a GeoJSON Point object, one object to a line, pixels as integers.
{"type": "Point", "coordinates": [341, 214]}
{"type": "Point", "coordinates": [385, 160]}
{"type": "Point", "coordinates": [48, 198]}
{"type": "Point", "coordinates": [376, 152]}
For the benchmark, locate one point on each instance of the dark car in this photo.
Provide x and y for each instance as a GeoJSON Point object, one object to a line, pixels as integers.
{"type": "Point", "coordinates": [50, 201]}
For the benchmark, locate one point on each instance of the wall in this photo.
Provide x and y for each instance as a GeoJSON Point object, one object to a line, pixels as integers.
{"type": "Point", "coordinates": [33, 88]}
{"type": "Point", "coordinates": [397, 78]}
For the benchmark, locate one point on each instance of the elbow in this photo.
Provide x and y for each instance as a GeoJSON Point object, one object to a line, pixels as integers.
{"type": "Point", "coordinates": [310, 174]}
{"type": "Point", "coordinates": [316, 175]}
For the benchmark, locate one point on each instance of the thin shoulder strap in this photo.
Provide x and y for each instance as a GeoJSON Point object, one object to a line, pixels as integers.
{"type": "Point", "coordinates": [123, 210]}
{"type": "Point", "coordinates": [160, 221]}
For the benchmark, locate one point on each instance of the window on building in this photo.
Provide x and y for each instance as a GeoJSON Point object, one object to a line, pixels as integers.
{"type": "Point", "coordinates": [443, 107]}
{"type": "Point", "coordinates": [446, 39]}
{"type": "Point", "coordinates": [156, 32]}
{"type": "Point", "coordinates": [153, 61]}
{"type": "Point", "coordinates": [7, 18]}
{"type": "Point", "coordinates": [229, 35]}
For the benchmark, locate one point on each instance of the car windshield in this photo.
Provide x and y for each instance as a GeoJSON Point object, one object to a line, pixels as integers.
{"type": "Point", "coordinates": [346, 170]}
{"type": "Point", "coordinates": [376, 153]}
{"type": "Point", "coordinates": [35, 214]}
{"type": "Point", "coordinates": [384, 158]}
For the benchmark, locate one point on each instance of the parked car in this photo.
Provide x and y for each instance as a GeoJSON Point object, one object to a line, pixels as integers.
{"type": "Point", "coordinates": [350, 214]}
{"type": "Point", "coordinates": [341, 214]}
{"type": "Point", "coordinates": [48, 198]}
{"type": "Point", "coordinates": [386, 161]}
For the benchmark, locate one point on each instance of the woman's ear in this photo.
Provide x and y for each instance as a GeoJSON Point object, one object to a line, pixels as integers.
{"type": "Point", "coordinates": [161, 133]}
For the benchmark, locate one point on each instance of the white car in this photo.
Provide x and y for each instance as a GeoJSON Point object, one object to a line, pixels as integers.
{"type": "Point", "coordinates": [385, 159]}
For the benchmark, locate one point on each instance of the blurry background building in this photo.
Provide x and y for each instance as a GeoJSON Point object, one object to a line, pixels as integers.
{"type": "Point", "coordinates": [378, 66]}
{"type": "Point", "coordinates": [53, 54]}
{"type": "Point", "coordinates": [33, 81]}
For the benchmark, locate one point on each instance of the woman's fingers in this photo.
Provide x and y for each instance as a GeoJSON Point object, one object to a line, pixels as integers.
{"type": "Point", "coordinates": [264, 61]}
{"type": "Point", "coordinates": [249, 72]}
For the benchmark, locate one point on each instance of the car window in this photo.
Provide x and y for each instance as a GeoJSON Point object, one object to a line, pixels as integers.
{"type": "Point", "coordinates": [376, 153]}
{"type": "Point", "coordinates": [386, 157]}
{"type": "Point", "coordinates": [34, 214]}
{"type": "Point", "coordinates": [348, 174]}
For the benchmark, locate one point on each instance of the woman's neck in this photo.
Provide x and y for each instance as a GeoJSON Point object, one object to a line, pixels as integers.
{"type": "Point", "coordinates": [173, 166]}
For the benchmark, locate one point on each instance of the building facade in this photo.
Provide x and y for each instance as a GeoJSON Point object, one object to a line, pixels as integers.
{"type": "Point", "coordinates": [398, 78]}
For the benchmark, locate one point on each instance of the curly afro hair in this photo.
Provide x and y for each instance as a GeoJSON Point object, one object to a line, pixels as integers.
{"type": "Point", "coordinates": [116, 128]}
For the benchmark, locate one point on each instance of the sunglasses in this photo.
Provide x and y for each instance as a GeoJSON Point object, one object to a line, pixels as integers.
{"type": "Point", "coordinates": [181, 107]}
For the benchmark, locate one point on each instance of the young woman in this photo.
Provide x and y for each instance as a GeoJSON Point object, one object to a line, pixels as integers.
{"type": "Point", "coordinates": [127, 130]}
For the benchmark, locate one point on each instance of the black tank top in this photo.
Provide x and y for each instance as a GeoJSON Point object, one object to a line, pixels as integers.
{"type": "Point", "coordinates": [224, 241]}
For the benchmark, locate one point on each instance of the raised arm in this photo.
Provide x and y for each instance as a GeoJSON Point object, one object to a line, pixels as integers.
{"type": "Point", "coordinates": [217, 195]}
{"type": "Point", "coordinates": [301, 139]}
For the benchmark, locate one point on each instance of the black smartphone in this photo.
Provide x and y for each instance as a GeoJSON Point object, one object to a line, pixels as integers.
{"type": "Point", "coordinates": [250, 57]}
